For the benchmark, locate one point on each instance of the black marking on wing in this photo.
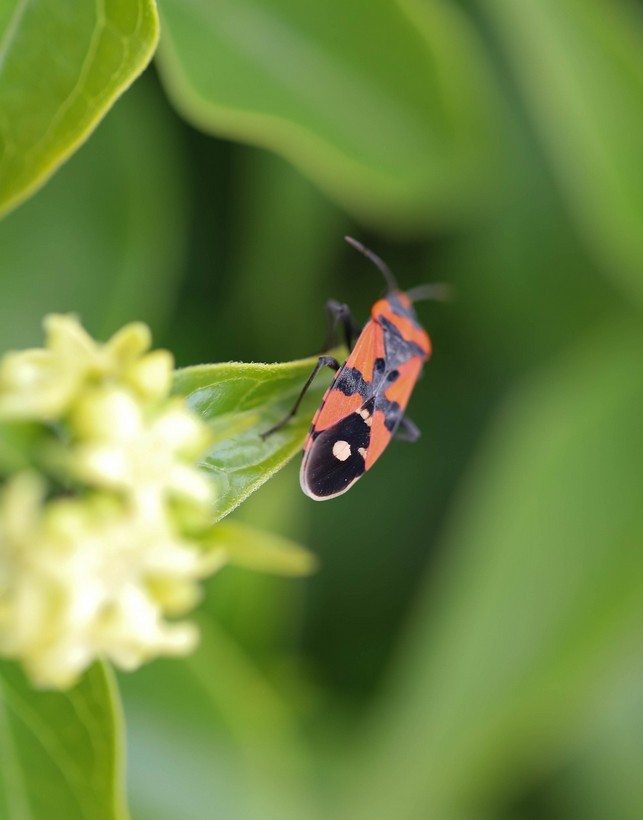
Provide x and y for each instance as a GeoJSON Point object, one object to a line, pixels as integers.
{"type": "Point", "coordinates": [398, 349]}
{"type": "Point", "coordinates": [392, 413]}
{"type": "Point", "coordinates": [325, 475]}
{"type": "Point", "coordinates": [350, 381]}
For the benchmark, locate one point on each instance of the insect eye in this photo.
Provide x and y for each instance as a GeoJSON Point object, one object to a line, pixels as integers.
{"type": "Point", "coordinates": [380, 364]}
{"type": "Point", "coordinates": [393, 375]}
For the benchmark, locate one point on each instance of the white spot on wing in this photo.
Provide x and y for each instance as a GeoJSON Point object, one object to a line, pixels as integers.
{"type": "Point", "coordinates": [341, 450]}
{"type": "Point", "coordinates": [366, 416]}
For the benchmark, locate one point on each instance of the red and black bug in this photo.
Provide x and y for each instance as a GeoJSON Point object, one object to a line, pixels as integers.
{"type": "Point", "coordinates": [364, 406]}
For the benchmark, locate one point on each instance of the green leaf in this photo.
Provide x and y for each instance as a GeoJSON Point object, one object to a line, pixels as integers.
{"type": "Point", "coordinates": [109, 243]}
{"type": "Point", "coordinates": [605, 779]}
{"type": "Point", "coordinates": [579, 64]}
{"type": "Point", "coordinates": [240, 401]}
{"type": "Point", "coordinates": [20, 444]}
{"type": "Point", "coordinates": [60, 752]}
{"type": "Point", "coordinates": [220, 734]}
{"type": "Point", "coordinates": [252, 548]}
{"type": "Point", "coordinates": [62, 65]}
{"type": "Point", "coordinates": [535, 614]}
{"type": "Point", "coordinates": [385, 105]}
{"type": "Point", "coordinates": [288, 226]}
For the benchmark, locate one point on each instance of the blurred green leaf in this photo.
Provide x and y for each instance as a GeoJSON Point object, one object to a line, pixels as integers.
{"type": "Point", "coordinates": [249, 547]}
{"type": "Point", "coordinates": [288, 236]}
{"type": "Point", "coordinates": [106, 236]}
{"type": "Point", "coordinates": [540, 600]}
{"type": "Point", "coordinates": [219, 732]}
{"type": "Point", "coordinates": [240, 401]}
{"type": "Point", "coordinates": [579, 64]}
{"type": "Point", "coordinates": [386, 105]}
{"type": "Point", "coordinates": [604, 782]}
{"type": "Point", "coordinates": [62, 65]}
{"type": "Point", "coordinates": [264, 612]}
{"type": "Point", "coordinates": [20, 445]}
{"type": "Point", "coordinates": [60, 752]}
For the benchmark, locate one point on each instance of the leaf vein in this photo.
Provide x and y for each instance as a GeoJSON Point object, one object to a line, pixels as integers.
{"type": "Point", "coordinates": [19, 806]}
{"type": "Point", "coordinates": [55, 752]}
{"type": "Point", "coordinates": [12, 30]}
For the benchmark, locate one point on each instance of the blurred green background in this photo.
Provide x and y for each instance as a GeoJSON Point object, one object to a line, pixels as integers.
{"type": "Point", "coordinates": [471, 647]}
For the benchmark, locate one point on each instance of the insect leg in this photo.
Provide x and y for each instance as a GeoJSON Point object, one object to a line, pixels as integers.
{"type": "Point", "coordinates": [407, 431]}
{"type": "Point", "coordinates": [323, 361]}
{"type": "Point", "coordinates": [339, 312]}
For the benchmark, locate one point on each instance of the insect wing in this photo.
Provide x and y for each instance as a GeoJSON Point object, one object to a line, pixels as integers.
{"type": "Point", "coordinates": [390, 402]}
{"type": "Point", "coordinates": [336, 448]}
{"type": "Point", "coordinates": [353, 384]}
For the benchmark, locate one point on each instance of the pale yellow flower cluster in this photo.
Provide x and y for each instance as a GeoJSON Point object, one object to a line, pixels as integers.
{"type": "Point", "coordinates": [98, 545]}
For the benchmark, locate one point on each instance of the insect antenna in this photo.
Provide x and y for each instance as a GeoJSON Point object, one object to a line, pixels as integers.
{"type": "Point", "coordinates": [440, 292]}
{"type": "Point", "coordinates": [386, 271]}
